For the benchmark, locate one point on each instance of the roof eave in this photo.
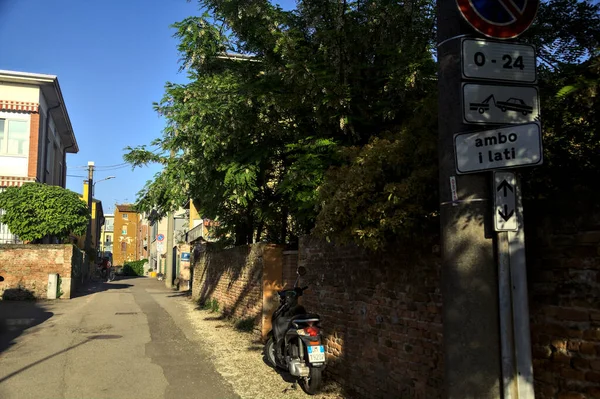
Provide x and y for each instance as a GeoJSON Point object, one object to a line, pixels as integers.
{"type": "Point", "coordinates": [51, 89]}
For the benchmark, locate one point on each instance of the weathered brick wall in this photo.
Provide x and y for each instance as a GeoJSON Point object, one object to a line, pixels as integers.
{"type": "Point", "coordinates": [564, 285]}
{"type": "Point", "coordinates": [381, 316]}
{"type": "Point", "coordinates": [290, 264]}
{"type": "Point", "coordinates": [233, 277]}
{"type": "Point", "coordinates": [27, 267]}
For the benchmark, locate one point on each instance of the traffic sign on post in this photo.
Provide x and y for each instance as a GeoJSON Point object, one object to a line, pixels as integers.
{"type": "Point", "coordinates": [499, 104]}
{"type": "Point", "coordinates": [501, 19]}
{"type": "Point", "coordinates": [160, 237]}
{"type": "Point", "coordinates": [498, 61]}
{"type": "Point", "coordinates": [507, 147]}
{"type": "Point", "coordinates": [505, 204]}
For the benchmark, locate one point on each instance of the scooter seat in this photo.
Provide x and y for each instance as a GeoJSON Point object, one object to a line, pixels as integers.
{"type": "Point", "coordinates": [306, 316]}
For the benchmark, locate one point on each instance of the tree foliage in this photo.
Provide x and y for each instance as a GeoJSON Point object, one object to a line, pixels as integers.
{"type": "Point", "coordinates": [324, 119]}
{"type": "Point", "coordinates": [571, 126]}
{"type": "Point", "coordinates": [34, 211]}
{"type": "Point", "coordinates": [252, 137]}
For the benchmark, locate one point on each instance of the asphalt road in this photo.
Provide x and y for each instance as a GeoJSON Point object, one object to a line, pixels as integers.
{"type": "Point", "coordinates": [127, 339]}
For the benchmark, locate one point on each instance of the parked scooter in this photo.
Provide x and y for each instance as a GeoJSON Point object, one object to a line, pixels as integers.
{"type": "Point", "coordinates": [295, 342]}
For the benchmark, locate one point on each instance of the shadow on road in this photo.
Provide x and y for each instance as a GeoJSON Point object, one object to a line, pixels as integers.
{"type": "Point", "coordinates": [181, 294]}
{"type": "Point", "coordinates": [125, 278]}
{"type": "Point", "coordinates": [88, 339]}
{"type": "Point", "coordinates": [18, 316]}
{"type": "Point", "coordinates": [94, 287]}
{"type": "Point", "coordinates": [287, 377]}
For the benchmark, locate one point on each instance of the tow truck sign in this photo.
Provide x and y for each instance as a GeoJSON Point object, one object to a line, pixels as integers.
{"type": "Point", "coordinates": [489, 104]}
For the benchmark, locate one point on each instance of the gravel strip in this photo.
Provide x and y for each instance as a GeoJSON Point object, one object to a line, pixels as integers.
{"type": "Point", "coordinates": [238, 357]}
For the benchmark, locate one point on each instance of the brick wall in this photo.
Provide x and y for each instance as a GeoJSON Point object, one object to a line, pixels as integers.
{"type": "Point", "coordinates": [34, 138]}
{"type": "Point", "coordinates": [381, 316]}
{"type": "Point", "coordinates": [27, 267]}
{"type": "Point", "coordinates": [234, 277]}
{"type": "Point", "coordinates": [564, 280]}
{"type": "Point", "coordinates": [290, 264]}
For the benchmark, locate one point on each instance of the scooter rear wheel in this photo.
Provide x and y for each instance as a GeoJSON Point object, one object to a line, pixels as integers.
{"type": "Point", "coordinates": [312, 384]}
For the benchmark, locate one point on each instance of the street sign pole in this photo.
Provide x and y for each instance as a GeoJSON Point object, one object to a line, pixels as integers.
{"type": "Point", "coordinates": [523, 374]}
{"type": "Point", "coordinates": [469, 278]}
{"type": "Point", "coordinates": [486, 331]}
{"type": "Point", "coordinates": [517, 369]}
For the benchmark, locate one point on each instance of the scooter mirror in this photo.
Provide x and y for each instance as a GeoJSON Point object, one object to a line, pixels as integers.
{"type": "Point", "coordinates": [301, 271]}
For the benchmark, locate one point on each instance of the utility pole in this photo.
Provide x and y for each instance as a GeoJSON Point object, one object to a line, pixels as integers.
{"type": "Point", "coordinates": [88, 234]}
{"type": "Point", "coordinates": [469, 272]}
{"type": "Point", "coordinates": [170, 227]}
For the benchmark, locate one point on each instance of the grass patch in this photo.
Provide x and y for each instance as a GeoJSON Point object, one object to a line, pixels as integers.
{"type": "Point", "coordinates": [211, 304]}
{"type": "Point", "coordinates": [245, 325]}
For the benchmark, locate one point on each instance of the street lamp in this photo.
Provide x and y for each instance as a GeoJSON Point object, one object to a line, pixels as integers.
{"type": "Point", "coordinates": [106, 178]}
{"type": "Point", "coordinates": [93, 188]}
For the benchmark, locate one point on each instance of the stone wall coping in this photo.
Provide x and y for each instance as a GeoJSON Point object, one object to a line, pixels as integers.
{"type": "Point", "coordinates": [36, 246]}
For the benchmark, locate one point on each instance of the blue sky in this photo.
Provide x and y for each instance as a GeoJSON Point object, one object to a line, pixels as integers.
{"type": "Point", "coordinates": [112, 59]}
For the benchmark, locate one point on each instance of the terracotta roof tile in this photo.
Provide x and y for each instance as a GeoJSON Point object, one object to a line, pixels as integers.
{"type": "Point", "coordinates": [125, 208]}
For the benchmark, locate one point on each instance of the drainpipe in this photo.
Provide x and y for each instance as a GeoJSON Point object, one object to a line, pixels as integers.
{"type": "Point", "coordinates": [43, 143]}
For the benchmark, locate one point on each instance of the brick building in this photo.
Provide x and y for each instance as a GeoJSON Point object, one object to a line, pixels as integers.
{"type": "Point", "coordinates": [35, 133]}
{"type": "Point", "coordinates": [126, 233]}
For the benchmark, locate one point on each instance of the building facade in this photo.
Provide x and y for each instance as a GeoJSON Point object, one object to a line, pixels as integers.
{"type": "Point", "coordinates": [143, 237]}
{"type": "Point", "coordinates": [125, 243]}
{"type": "Point", "coordinates": [158, 239]}
{"type": "Point", "coordinates": [35, 133]}
{"type": "Point", "coordinates": [107, 235]}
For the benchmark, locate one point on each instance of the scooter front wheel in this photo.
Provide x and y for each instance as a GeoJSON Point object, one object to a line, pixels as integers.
{"type": "Point", "coordinates": [270, 352]}
{"type": "Point", "coordinates": [312, 383]}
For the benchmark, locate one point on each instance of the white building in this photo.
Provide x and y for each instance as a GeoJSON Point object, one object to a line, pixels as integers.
{"type": "Point", "coordinates": [35, 133]}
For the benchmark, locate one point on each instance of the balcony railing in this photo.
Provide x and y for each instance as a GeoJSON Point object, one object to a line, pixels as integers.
{"type": "Point", "coordinates": [194, 234]}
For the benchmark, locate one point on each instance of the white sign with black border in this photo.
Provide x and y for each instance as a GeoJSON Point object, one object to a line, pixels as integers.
{"type": "Point", "coordinates": [498, 61]}
{"type": "Point", "coordinates": [502, 148]}
{"type": "Point", "coordinates": [492, 104]}
{"type": "Point", "coordinates": [505, 204]}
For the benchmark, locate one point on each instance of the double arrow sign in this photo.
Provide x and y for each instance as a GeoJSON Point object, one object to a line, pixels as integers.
{"type": "Point", "coordinates": [505, 218]}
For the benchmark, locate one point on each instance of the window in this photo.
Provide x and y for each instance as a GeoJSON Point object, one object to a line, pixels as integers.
{"type": "Point", "coordinates": [14, 137]}
{"type": "Point", "coordinates": [125, 216]}
{"type": "Point", "coordinates": [108, 238]}
{"type": "Point", "coordinates": [124, 230]}
{"type": "Point", "coordinates": [123, 247]}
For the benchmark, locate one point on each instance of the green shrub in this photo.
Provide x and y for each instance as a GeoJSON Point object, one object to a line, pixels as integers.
{"type": "Point", "coordinates": [245, 325]}
{"type": "Point", "coordinates": [60, 291]}
{"type": "Point", "coordinates": [134, 268]}
{"type": "Point", "coordinates": [214, 306]}
{"type": "Point", "coordinates": [209, 304]}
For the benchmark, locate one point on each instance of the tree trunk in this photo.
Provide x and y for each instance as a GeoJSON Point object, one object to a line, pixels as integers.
{"type": "Point", "coordinates": [259, 230]}
{"type": "Point", "coordinates": [284, 225]}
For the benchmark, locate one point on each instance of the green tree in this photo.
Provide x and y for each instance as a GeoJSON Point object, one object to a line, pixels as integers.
{"type": "Point", "coordinates": [34, 211]}
{"type": "Point", "coordinates": [253, 136]}
{"type": "Point", "coordinates": [571, 126]}
{"type": "Point", "coordinates": [324, 119]}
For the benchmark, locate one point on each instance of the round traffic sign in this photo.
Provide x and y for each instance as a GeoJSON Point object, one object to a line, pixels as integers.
{"type": "Point", "coordinates": [160, 237]}
{"type": "Point", "coordinates": [500, 19]}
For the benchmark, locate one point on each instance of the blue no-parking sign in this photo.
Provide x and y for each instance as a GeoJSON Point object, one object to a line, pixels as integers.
{"type": "Point", "coordinates": [500, 19]}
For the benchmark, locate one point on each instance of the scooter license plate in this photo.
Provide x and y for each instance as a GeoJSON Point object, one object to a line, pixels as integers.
{"type": "Point", "coordinates": [316, 354]}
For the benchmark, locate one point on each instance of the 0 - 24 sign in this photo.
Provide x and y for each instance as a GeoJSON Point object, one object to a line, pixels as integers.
{"type": "Point", "coordinates": [479, 59]}
{"type": "Point", "coordinates": [498, 61]}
